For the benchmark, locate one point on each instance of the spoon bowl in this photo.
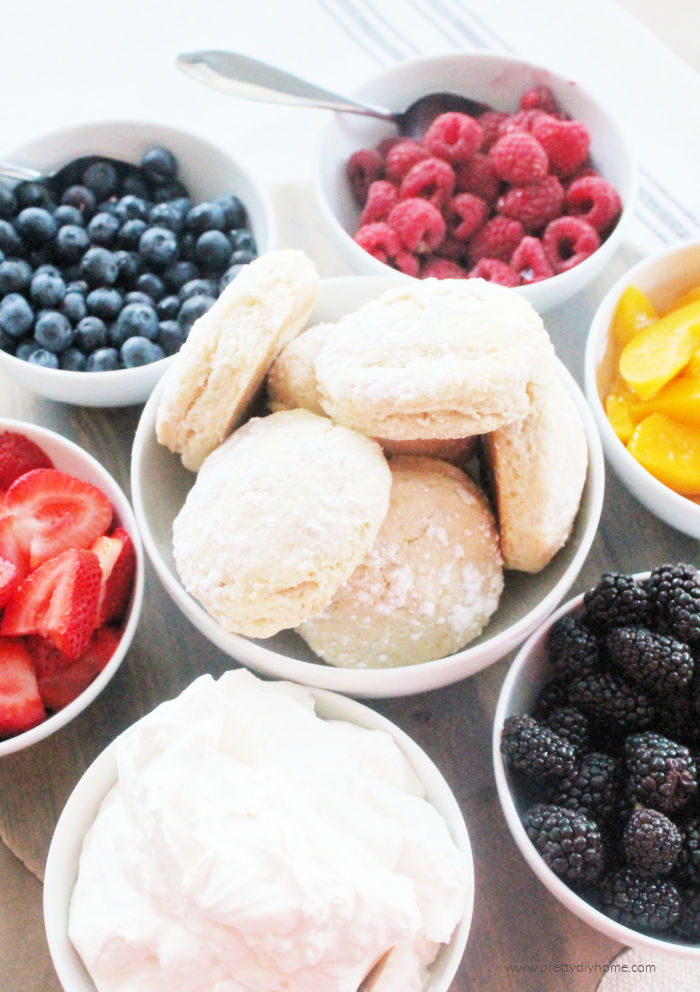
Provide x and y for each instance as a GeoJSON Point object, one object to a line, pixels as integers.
{"type": "Point", "coordinates": [70, 174]}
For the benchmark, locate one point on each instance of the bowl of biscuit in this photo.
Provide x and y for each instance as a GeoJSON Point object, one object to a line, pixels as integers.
{"type": "Point", "coordinates": [366, 484]}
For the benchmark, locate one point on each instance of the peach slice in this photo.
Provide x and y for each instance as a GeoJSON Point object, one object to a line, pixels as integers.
{"type": "Point", "coordinates": [661, 350]}
{"type": "Point", "coordinates": [634, 312]}
{"type": "Point", "coordinates": [670, 451]}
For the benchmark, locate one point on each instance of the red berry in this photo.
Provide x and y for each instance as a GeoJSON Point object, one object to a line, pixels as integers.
{"type": "Point", "coordinates": [465, 213]}
{"type": "Point", "coordinates": [442, 268]}
{"type": "Point", "coordinates": [401, 157]}
{"type": "Point", "coordinates": [534, 205]}
{"type": "Point", "coordinates": [20, 703]}
{"type": "Point", "coordinates": [454, 137]}
{"type": "Point", "coordinates": [382, 242]}
{"type": "Point", "coordinates": [64, 685]}
{"type": "Point", "coordinates": [117, 558]}
{"type": "Point", "coordinates": [498, 238]}
{"type": "Point", "coordinates": [381, 197]}
{"type": "Point", "coordinates": [53, 510]}
{"type": "Point", "coordinates": [432, 179]}
{"type": "Point", "coordinates": [566, 143]}
{"type": "Point", "coordinates": [419, 225]}
{"type": "Point", "coordinates": [568, 241]}
{"type": "Point", "coordinates": [10, 548]}
{"type": "Point", "coordinates": [494, 270]}
{"type": "Point", "coordinates": [9, 580]}
{"type": "Point", "coordinates": [593, 199]}
{"type": "Point", "coordinates": [363, 167]}
{"type": "Point", "coordinates": [18, 455]}
{"type": "Point", "coordinates": [479, 176]}
{"type": "Point", "coordinates": [519, 158]}
{"type": "Point", "coordinates": [530, 261]}
{"type": "Point", "coordinates": [539, 98]}
{"type": "Point", "coordinates": [492, 124]}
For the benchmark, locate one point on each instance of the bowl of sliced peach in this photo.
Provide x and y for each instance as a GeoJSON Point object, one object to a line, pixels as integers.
{"type": "Point", "coordinates": [642, 378]}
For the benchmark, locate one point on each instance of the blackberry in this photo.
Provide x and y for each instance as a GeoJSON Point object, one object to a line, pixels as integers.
{"type": "Point", "coordinates": [617, 600]}
{"type": "Point", "coordinates": [688, 925]}
{"type": "Point", "coordinates": [689, 858]}
{"type": "Point", "coordinates": [652, 842]}
{"type": "Point", "coordinates": [593, 788]}
{"type": "Point", "coordinates": [569, 723]}
{"type": "Point", "coordinates": [572, 648]}
{"type": "Point", "coordinates": [639, 902]}
{"type": "Point", "coordinates": [613, 705]}
{"type": "Point", "coordinates": [674, 591]}
{"type": "Point", "coordinates": [551, 696]}
{"type": "Point", "coordinates": [567, 841]}
{"type": "Point", "coordinates": [529, 747]}
{"type": "Point", "coordinates": [661, 773]}
{"type": "Point", "coordinates": [656, 661]}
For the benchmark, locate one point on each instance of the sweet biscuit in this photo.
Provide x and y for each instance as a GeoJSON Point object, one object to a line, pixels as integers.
{"type": "Point", "coordinates": [229, 350]}
{"type": "Point", "coordinates": [429, 583]}
{"type": "Point", "coordinates": [278, 517]}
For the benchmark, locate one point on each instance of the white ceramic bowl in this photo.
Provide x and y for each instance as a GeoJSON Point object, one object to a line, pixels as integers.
{"type": "Point", "coordinates": [69, 457]}
{"type": "Point", "coordinates": [81, 807]}
{"type": "Point", "coordinates": [497, 80]}
{"type": "Point", "coordinates": [207, 171]}
{"type": "Point", "coordinates": [160, 484]}
{"type": "Point", "coordinates": [663, 277]}
{"type": "Point", "coordinates": [521, 685]}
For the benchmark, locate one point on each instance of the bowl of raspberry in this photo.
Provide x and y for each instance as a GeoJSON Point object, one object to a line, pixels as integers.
{"type": "Point", "coordinates": [595, 754]}
{"type": "Point", "coordinates": [114, 237]}
{"type": "Point", "coordinates": [71, 581]}
{"type": "Point", "coordinates": [532, 191]}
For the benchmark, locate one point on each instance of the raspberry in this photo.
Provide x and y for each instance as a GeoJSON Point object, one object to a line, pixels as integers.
{"type": "Point", "coordinates": [494, 270]}
{"type": "Point", "coordinates": [534, 205]}
{"type": "Point", "coordinates": [432, 179]}
{"type": "Point", "coordinates": [454, 137]}
{"type": "Point", "coordinates": [381, 197]}
{"type": "Point", "coordinates": [568, 241]}
{"type": "Point", "coordinates": [443, 268]}
{"type": "Point", "coordinates": [594, 200]}
{"type": "Point", "coordinates": [521, 120]}
{"type": "Point", "coordinates": [519, 158]}
{"type": "Point", "coordinates": [539, 98]}
{"type": "Point", "coordinates": [401, 157]}
{"type": "Point", "coordinates": [530, 261]}
{"type": "Point", "coordinates": [498, 238]}
{"type": "Point", "coordinates": [465, 214]}
{"type": "Point", "coordinates": [566, 143]}
{"type": "Point", "coordinates": [492, 123]}
{"type": "Point", "coordinates": [364, 166]}
{"type": "Point", "coordinates": [418, 223]}
{"type": "Point", "coordinates": [384, 244]}
{"type": "Point", "coordinates": [479, 176]}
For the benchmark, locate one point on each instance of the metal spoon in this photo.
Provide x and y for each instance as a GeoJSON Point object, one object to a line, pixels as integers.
{"type": "Point", "coordinates": [241, 76]}
{"type": "Point", "coordinates": [68, 175]}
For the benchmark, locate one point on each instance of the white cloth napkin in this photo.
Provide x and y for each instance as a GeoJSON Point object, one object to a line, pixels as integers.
{"type": "Point", "coordinates": [639, 971]}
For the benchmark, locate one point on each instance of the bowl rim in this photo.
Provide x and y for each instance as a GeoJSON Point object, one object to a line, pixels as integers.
{"type": "Point", "coordinates": [100, 775]}
{"type": "Point", "coordinates": [384, 682]}
{"type": "Point", "coordinates": [533, 647]}
{"type": "Point", "coordinates": [125, 514]}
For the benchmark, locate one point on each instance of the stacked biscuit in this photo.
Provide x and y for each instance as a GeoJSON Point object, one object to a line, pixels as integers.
{"type": "Point", "coordinates": [350, 511]}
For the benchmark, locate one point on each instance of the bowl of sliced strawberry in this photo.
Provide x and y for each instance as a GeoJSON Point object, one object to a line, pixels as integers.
{"type": "Point", "coordinates": [71, 581]}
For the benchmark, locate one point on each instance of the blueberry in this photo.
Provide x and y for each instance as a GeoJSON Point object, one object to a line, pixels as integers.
{"type": "Point", "coordinates": [159, 164]}
{"type": "Point", "coordinates": [105, 302]}
{"type": "Point", "coordinates": [15, 275]}
{"type": "Point", "coordinates": [40, 255]}
{"type": "Point", "coordinates": [16, 315]}
{"type": "Point", "coordinates": [128, 266]}
{"type": "Point", "coordinates": [130, 232]}
{"type": "Point", "coordinates": [46, 289]}
{"type": "Point", "coordinates": [165, 215]}
{"type": "Point", "coordinates": [52, 331]}
{"type": "Point", "coordinates": [107, 207]}
{"type": "Point", "coordinates": [188, 243]}
{"type": "Point", "coordinates": [197, 287]}
{"type": "Point", "coordinates": [213, 250]}
{"type": "Point", "coordinates": [80, 197]}
{"type": "Point", "coordinates": [8, 201]}
{"type": "Point", "coordinates": [74, 306]}
{"type": "Point", "coordinates": [48, 269]}
{"type": "Point", "coordinates": [131, 207]}
{"type": "Point", "coordinates": [173, 190]}
{"type": "Point", "coordinates": [67, 214]}
{"type": "Point", "coordinates": [76, 285]}
{"type": "Point", "coordinates": [103, 228]}
{"type": "Point", "coordinates": [182, 204]}
{"type": "Point", "coordinates": [234, 212]}
{"type": "Point", "coordinates": [71, 242]}
{"type": "Point", "coordinates": [158, 246]}
{"type": "Point", "coordinates": [241, 237]}
{"type": "Point", "coordinates": [137, 296]}
{"type": "Point", "coordinates": [102, 360]}
{"type": "Point", "coordinates": [10, 241]}
{"type": "Point", "coordinates": [29, 193]}
{"type": "Point", "coordinates": [72, 360]}
{"type": "Point", "coordinates": [192, 308]}
{"type": "Point", "coordinates": [99, 267]}
{"type": "Point", "coordinates": [205, 217]}
{"type": "Point", "coordinates": [135, 184]}
{"type": "Point", "coordinates": [7, 342]}
{"type": "Point", "coordinates": [91, 334]}
{"type": "Point", "coordinates": [139, 351]}
{"type": "Point", "coordinates": [136, 319]}
{"type": "Point", "coordinates": [152, 285]}
{"type": "Point", "coordinates": [168, 307]}
{"type": "Point", "coordinates": [44, 357]}
{"type": "Point", "coordinates": [242, 256]}
{"type": "Point", "coordinates": [25, 349]}
{"type": "Point", "coordinates": [170, 336]}
{"type": "Point", "coordinates": [229, 275]}
{"type": "Point", "coordinates": [180, 272]}
{"type": "Point", "coordinates": [101, 177]}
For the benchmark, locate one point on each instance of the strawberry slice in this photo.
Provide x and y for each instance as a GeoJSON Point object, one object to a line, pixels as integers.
{"type": "Point", "coordinates": [117, 557]}
{"type": "Point", "coordinates": [62, 687]}
{"type": "Point", "coordinates": [8, 580]}
{"type": "Point", "coordinates": [53, 511]}
{"type": "Point", "coordinates": [19, 455]}
{"type": "Point", "coordinates": [48, 660]}
{"type": "Point", "coordinates": [10, 548]}
{"type": "Point", "coordinates": [59, 601]}
{"type": "Point", "coordinates": [20, 703]}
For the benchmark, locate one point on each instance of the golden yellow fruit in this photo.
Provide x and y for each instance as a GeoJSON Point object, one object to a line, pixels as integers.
{"type": "Point", "coordinates": [670, 451]}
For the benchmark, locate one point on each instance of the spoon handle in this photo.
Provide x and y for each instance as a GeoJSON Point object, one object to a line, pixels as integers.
{"type": "Point", "coordinates": [239, 75]}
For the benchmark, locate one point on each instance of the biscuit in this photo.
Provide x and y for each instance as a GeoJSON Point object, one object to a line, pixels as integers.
{"type": "Point", "coordinates": [229, 350]}
{"type": "Point", "coordinates": [538, 467]}
{"type": "Point", "coordinates": [429, 583]}
{"type": "Point", "coordinates": [278, 517]}
{"type": "Point", "coordinates": [433, 359]}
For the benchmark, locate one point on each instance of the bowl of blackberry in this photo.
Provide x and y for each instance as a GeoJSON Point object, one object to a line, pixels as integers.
{"type": "Point", "coordinates": [595, 747]}
{"type": "Point", "coordinates": [114, 238]}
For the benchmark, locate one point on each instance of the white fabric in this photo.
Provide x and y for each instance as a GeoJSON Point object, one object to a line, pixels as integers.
{"type": "Point", "coordinates": [640, 971]}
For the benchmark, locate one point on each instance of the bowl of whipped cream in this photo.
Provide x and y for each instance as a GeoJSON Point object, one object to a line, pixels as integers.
{"type": "Point", "coordinates": [251, 834]}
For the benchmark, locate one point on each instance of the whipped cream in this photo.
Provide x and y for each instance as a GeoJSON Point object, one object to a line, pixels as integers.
{"type": "Point", "coordinates": [250, 846]}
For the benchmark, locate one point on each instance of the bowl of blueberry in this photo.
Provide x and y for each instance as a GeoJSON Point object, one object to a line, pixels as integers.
{"type": "Point", "coordinates": [114, 238]}
{"type": "Point", "coordinates": [595, 752]}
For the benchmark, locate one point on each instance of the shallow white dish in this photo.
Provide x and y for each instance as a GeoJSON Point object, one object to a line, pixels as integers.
{"type": "Point", "coordinates": [69, 457]}
{"type": "Point", "coordinates": [159, 485]}
{"type": "Point", "coordinates": [81, 807]}
{"type": "Point", "coordinates": [206, 170]}
{"type": "Point", "coordinates": [663, 276]}
{"type": "Point", "coordinates": [497, 80]}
